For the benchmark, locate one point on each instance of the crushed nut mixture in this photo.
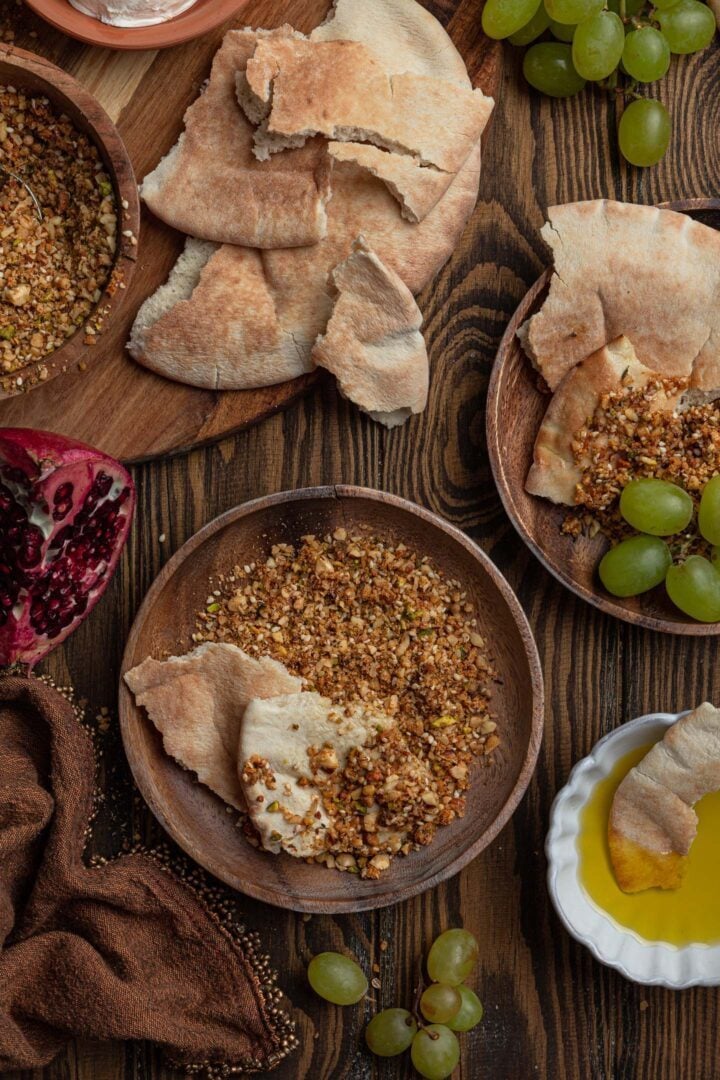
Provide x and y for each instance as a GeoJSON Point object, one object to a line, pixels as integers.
{"type": "Point", "coordinates": [361, 620]}
{"type": "Point", "coordinates": [628, 439]}
{"type": "Point", "coordinates": [52, 272]}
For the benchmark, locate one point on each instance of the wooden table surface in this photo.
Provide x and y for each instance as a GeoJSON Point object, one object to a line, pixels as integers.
{"type": "Point", "coordinates": [551, 1010]}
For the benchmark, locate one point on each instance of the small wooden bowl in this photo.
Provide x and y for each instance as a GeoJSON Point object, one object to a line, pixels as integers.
{"type": "Point", "coordinates": [198, 821]}
{"type": "Point", "coordinates": [201, 18]}
{"type": "Point", "coordinates": [38, 76]}
{"type": "Point", "coordinates": [515, 409]}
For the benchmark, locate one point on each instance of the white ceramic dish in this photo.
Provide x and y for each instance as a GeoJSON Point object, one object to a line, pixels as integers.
{"type": "Point", "coordinates": [650, 963]}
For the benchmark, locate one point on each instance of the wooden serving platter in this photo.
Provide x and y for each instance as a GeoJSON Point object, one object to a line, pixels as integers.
{"type": "Point", "coordinates": [115, 404]}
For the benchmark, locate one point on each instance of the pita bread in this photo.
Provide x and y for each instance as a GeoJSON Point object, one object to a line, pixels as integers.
{"type": "Point", "coordinates": [416, 188]}
{"type": "Point", "coordinates": [650, 274]}
{"type": "Point", "coordinates": [340, 90]}
{"type": "Point", "coordinates": [652, 822]}
{"type": "Point", "coordinates": [275, 737]}
{"type": "Point", "coordinates": [555, 473]}
{"type": "Point", "coordinates": [214, 324]}
{"type": "Point", "coordinates": [373, 343]}
{"type": "Point", "coordinates": [197, 703]}
{"type": "Point", "coordinates": [211, 185]}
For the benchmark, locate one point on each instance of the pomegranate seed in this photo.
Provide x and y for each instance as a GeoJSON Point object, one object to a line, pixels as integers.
{"type": "Point", "coordinates": [63, 493]}
{"type": "Point", "coordinates": [61, 511]}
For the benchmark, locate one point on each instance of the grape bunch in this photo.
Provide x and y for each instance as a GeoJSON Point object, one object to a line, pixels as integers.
{"type": "Point", "coordinates": [617, 44]}
{"type": "Point", "coordinates": [659, 509]}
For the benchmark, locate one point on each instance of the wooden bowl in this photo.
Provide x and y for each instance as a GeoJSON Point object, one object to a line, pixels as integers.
{"type": "Point", "coordinates": [515, 409]}
{"type": "Point", "coordinates": [198, 821]}
{"type": "Point", "coordinates": [25, 70]}
{"type": "Point", "coordinates": [201, 18]}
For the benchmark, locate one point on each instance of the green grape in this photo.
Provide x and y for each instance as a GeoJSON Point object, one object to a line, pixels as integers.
{"type": "Point", "coordinates": [571, 12]}
{"type": "Point", "coordinates": [452, 957]}
{"type": "Point", "coordinates": [435, 1052]}
{"type": "Point", "coordinates": [709, 513]}
{"type": "Point", "coordinates": [715, 557]}
{"type": "Point", "coordinates": [390, 1032]}
{"type": "Point", "coordinates": [598, 45]}
{"type": "Point", "coordinates": [632, 7]}
{"type": "Point", "coordinates": [646, 56]}
{"type": "Point", "coordinates": [635, 566]}
{"type": "Point", "coordinates": [689, 26]}
{"type": "Point", "coordinates": [533, 29]}
{"type": "Point", "coordinates": [694, 587]}
{"type": "Point", "coordinates": [471, 1011]}
{"type": "Point", "coordinates": [549, 68]}
{"type": "Point", "coordinates": [440, 1003]}
{"type": "Point", "coordinates": [562, 31]}
{"type": "Point", "coordinates": [337, 978]}
{"type": "Point", "coordinates": [501, 18]}
{"type": "Point", "coordinates": [644, 132]}
{"type": "Point", "coordinates": [656, 507]}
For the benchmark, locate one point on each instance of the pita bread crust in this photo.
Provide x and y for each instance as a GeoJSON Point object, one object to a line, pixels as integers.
{"type": "Point", "coordinates": [415, 187]}
{"type": "Point", "coordinates": [212, 187]}
{"type": "Point", "coordinates": [555, 473]}
{"type": "Point", "coordinates": [651, 274]}
{"type": "Point", "coordinates": [652, 821]}
{"type": "Point", "coordinates": [197, 703]}
{"type": "Point", "coordinates": [227, 335]}
{"type": "Point", "coordinates": [338, 89]}
{"type": "Point", "coordinates": [373, 343]}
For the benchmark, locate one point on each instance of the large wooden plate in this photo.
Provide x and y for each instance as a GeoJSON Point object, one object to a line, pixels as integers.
{"type": "Point", "coordinates": [117, 405]}
{"type": "Point", "coordinates": [515, 408]}
{"type": "Point", "coordinates": [198, 821]}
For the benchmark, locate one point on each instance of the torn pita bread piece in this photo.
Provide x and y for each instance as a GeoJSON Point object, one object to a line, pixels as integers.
{"type": "Point", "coordinates": [653, 275]}
{"type": "Point", "coordinates": [212, 187]}
{"type": "Point", "coordinates": [214, 324]}
{"type": "Point", "coordinates": [340, 90]}
{"type": "Point", "coordinates": [276, 766]}
{"type": "Point", "coordinates": [555, 471]}
{"type": "Point", "coordinates": [373, 343]}
{"type": "Point", "coordinates": [197, 703]}
{"type": "Point", "coordinates": [652, 821]}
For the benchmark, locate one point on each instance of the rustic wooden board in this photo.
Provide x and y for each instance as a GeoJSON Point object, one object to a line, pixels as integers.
{"type": "Point", "coordinates": [116, 404]}
{"type": "Point", "coordinates": [553, 1013]}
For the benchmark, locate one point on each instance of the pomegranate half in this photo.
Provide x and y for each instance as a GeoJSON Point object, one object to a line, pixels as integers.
{"type": "Point", "coordinates": [65, 514]}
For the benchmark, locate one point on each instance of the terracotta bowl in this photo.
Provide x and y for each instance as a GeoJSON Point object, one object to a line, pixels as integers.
{"type": "Point", "coordinates": [201, 18]}
{"type": "Point", "coordinates": [515, 408]}
{"type": "Point", "coordinates": [198, 821]}
{"type": "Point", "coordinates": [25, 70]}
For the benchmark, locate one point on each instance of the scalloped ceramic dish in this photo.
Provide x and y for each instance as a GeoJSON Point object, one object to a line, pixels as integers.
{"type": "Point", "coordinates": [650, 963]}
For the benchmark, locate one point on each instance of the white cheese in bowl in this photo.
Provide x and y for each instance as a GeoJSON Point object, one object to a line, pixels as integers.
{"type": "Point", "coordinates": [132, 12]}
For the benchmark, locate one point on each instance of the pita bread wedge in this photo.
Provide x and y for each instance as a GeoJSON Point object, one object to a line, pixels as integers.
{"type": "Point", "coordinates": [214, 324]}
{"type": "Point", "coordinates": [652, 822]}
{"type": "Point", "coordinates": [416, 188]}
{"type": "Point", "coordinates": [555, 472]}
{"type": "Point", "coordinates": [275, 738]}
{"type": "Point", "coordinates": [212, 187]}
{"type": "Point", "coordinates": [373, 343]}
{"type": "Point", "coordinates": [650, 274]}
{"type": "Point", "coordinates": [197, 703]}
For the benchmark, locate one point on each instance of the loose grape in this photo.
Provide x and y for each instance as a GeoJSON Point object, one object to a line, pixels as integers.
{"type": "Point", "coordinates": [440, 1003]}
{"type": "Point", "coordinates": [635, 566]}
{"type": "Point", "coordinates": [390, 1032]}
{"type": "Point", "coordinates": [471, 1011]}
{"type": "Point", "coordinates": [644, 132]}
{"type": "Point", "coordinates": [694, 587]}
{"type": "Point", "coordinates": [646, 56]}
{"type": "Point", "coordinates": [571, 12]}
{"type": "Point", "coordinates": [549, 68]}
{"type": "Point", "coordinates": [452, 957]}
{"type": "Point", "coordinates": [709, 513]}
{"type": "Point", "coordinates": [501, 18]}
{"type": "Point", "coordinates": [562, 31]}
{"type": "Point", "coordinates": [435, 1052]}
{"type": "Point", "coordinates": [533, 29]}
{"type": "Point", "coordinates": [689, 26]}
{"type": "Point", "coordinates": [337, 978]}
{"type": "Point", "coordinates": [656, 507]}
{"type": "Point", "coordinates": [598, 45]}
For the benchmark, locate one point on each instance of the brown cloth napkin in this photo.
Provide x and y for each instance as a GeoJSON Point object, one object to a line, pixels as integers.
{"type": "Point", "coordinates": [120, 951]}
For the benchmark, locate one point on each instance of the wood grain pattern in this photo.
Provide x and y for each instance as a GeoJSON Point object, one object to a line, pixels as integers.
{"type": "Point", "coordinates": [552, 1011]}
{"type": "Point", "coordinates": [115, 404]}
{"type": "Point", "coordinates": [516, 406]}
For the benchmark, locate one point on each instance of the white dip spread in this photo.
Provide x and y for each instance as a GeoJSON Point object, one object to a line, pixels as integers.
{"type": "Point", "coordinates": [132, 12]}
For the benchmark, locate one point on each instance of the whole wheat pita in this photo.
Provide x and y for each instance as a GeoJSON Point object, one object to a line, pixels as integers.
{"type": "Point", "coordinates": [416, 188]}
